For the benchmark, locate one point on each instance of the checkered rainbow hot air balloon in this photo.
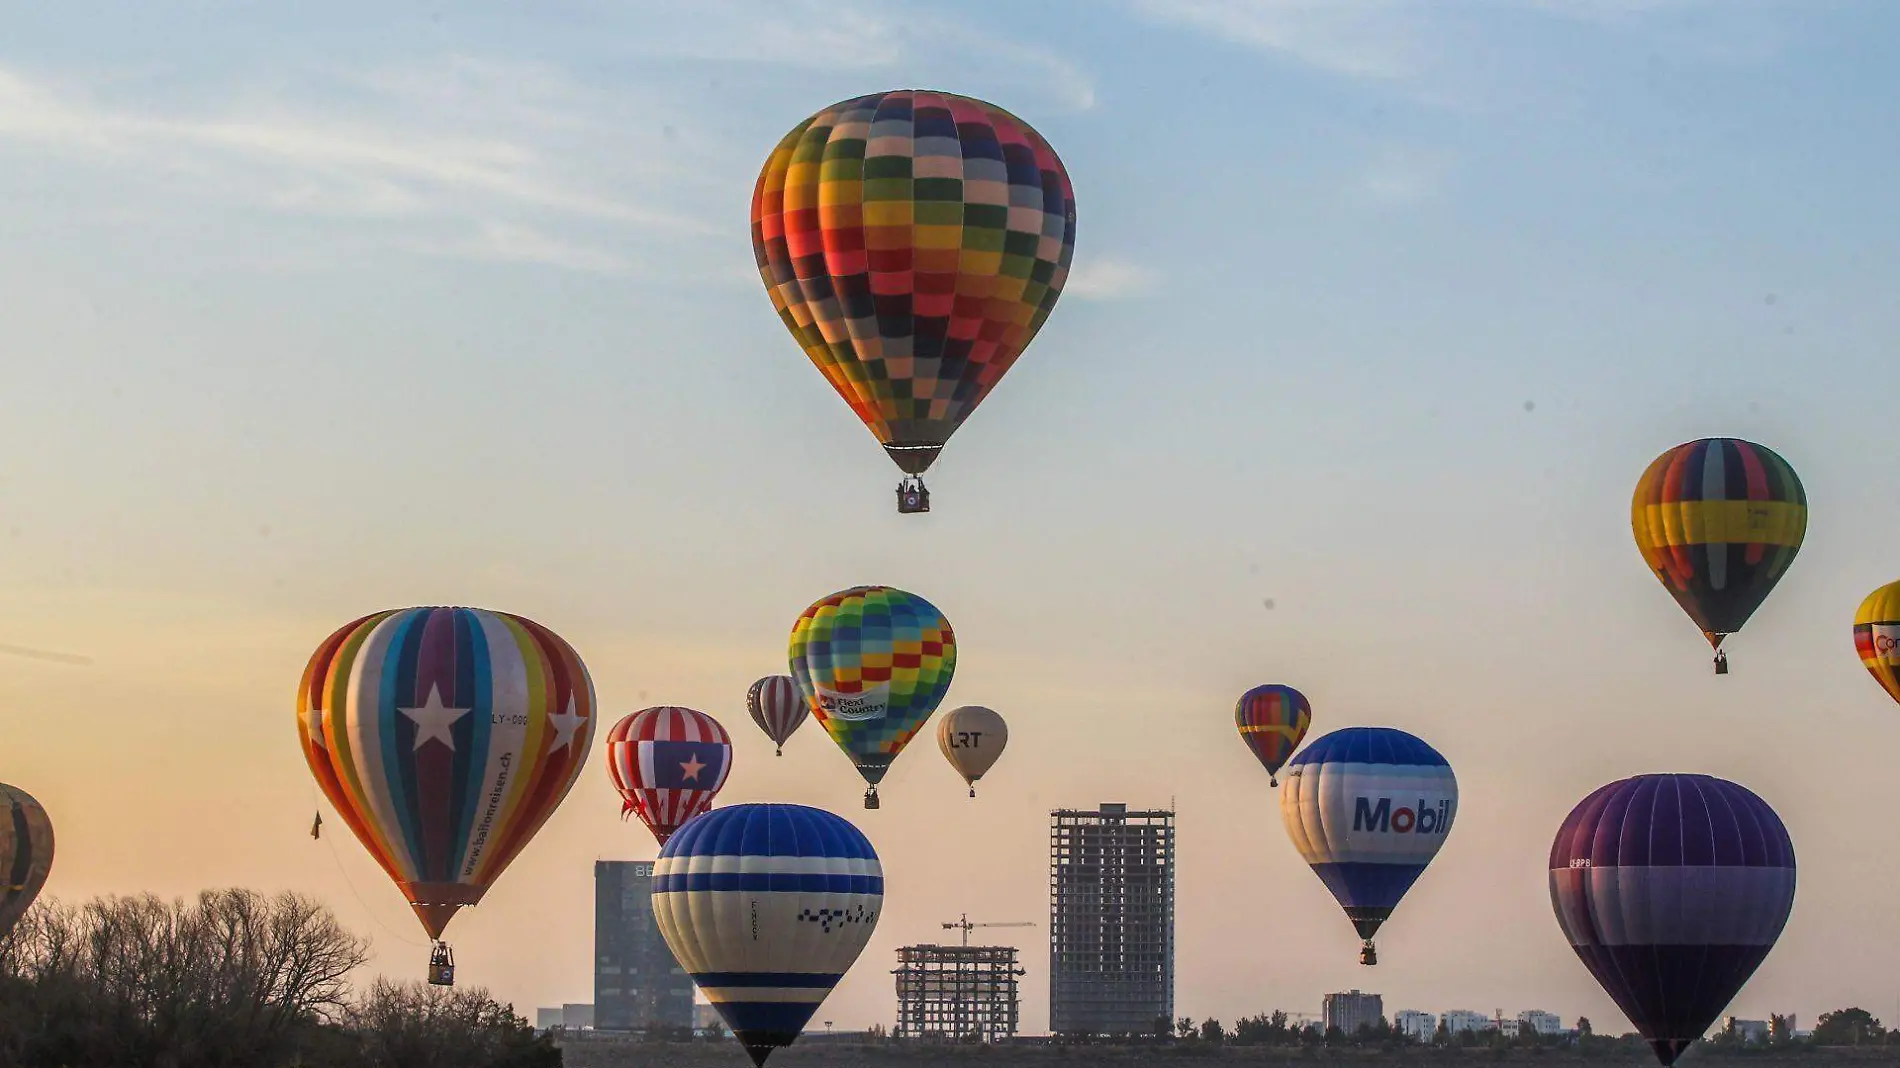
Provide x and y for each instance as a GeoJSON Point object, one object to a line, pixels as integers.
{"type": "Point", "coordinates": [913, 242]}
{"type": "Point", "coordinates": [873, 662]}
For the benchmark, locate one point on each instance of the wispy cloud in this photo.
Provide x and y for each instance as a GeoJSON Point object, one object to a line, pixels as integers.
{"type": "Point", "coordinates": [458, 142]}
{"type": "Point", "coordinates": [1375, 39]}
{"type": "Point", "coordinates": [1107, 278]}
{"type": "Point", "coordinates": [1438, 54]}
{"type": "Point", "coordinates": [500, 242]}
{"type": "Point", "coordinates": [1407, 175]}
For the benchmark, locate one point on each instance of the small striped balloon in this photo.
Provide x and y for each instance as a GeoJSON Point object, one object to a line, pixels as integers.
{"type": "Point", "coordinates": [668, 763]}
{"type": "Point", "coordinates": [1272, 720]}
{"type": "Point", "coordinates": [26, 853]}
{"type": "Point", "coordinates": [777, 707]}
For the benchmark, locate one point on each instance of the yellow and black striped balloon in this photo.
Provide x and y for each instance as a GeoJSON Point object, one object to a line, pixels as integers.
{"type": "Point", "coordinates": [1719, 520]}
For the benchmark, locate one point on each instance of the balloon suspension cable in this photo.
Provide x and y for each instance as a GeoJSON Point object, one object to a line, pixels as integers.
{"type": "Point", "coordinates": [870, 797]}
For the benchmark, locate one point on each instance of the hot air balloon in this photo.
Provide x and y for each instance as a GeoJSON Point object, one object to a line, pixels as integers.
{"type": "Point", "coordinates": [777, 707]}
{"type": "Point", "coordinates": [1877, 637]}
{"type": "Point", "coordinates": [972, 737]}
{"type": "Point", "coordinates": [1272, 721]}
{"type": "Point", "coordinates": [1369, 807]}
{"type": "Point", "coordinates": [873, 662]}
{"type": "Point", "coordinates": [1719, 520]}
{"type": "Point", "coordinates": [668, 763]}
{"type": "Point", "coordinates": [1672, 888]}
{"type": "Point", "coordinates": [766, 907]}
{"type": "Point", "coordinates": [445, 737]}
{"type": "Point", "coordinates": [913, 242]}
{"type": "Point", "coordinates": [26, 853]}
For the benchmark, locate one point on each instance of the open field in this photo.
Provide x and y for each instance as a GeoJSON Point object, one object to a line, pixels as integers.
{"type": "Point", "coordinates": [610, 1054]}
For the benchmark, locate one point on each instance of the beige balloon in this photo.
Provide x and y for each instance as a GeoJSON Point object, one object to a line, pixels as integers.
{"type": "Point", "coordinates": [972, 737]}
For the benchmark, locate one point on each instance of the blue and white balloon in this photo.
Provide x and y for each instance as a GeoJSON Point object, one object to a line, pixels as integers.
{"type": "Point", "coordinates": [1368, 807]}
{"type": "Point", "coordinates": [766, 907]}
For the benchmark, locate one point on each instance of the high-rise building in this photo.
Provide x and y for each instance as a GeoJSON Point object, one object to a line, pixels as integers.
{"type": "Point", "coordinates": [1415, 1025]}
{"type": "Point", "coordinates": [1544, 1023]}
{"type": "Point", "coordinates": [637, 983]}
{"type": "Point", "coordinates": [1352, 1010]}
{"type": "Point", "coordinates": [1458, 1020]}
{"type": "Point", "coordinates": [1111, 920]}
{"type": "Point", "coordinates": [957, 993]}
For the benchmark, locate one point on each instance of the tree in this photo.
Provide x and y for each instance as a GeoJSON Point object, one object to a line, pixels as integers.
{"type": "Point", "coordinates": [1162, 1028]}
{"type": "Point", "coordinates": [1441, 1036]}
{"type": "Point", "coordinates": [1184, 1027]}
{"type": "Point", "coordinates": [414, 1025]}
{"type": "Point", "coordinates": [1847, 1027]}
{"type": "Point", "coordinates": [1583, 1027]}
{"type": "Point", "coordinates": [1211, 1030]}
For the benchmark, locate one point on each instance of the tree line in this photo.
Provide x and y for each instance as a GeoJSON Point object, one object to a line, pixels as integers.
{"type": "Point", "coordinates": [1843, 1027]}
{"type": "Point", "coordinates": [233, 979]}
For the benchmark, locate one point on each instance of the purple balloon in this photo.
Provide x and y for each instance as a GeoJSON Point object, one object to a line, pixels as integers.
{"type": "Point", "coordinates": [1672, 888]}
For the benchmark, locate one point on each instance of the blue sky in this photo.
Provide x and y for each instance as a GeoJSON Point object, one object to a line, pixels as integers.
{"type": "Point", "coordinates": [1378, 311]}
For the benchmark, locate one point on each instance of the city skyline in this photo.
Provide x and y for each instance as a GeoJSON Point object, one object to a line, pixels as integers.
{"type": "Point", "coordinates": [1378, 313]}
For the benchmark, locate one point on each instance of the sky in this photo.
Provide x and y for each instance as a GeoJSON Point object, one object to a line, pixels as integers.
{"type": "Point", "coordinates": [1378, 311]}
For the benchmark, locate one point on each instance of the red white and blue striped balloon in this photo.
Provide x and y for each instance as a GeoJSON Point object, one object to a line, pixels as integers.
{"type": "Point", "coordinates": [777, 707]}
{"type": "Point", "coordinates": [1672, 888]}
{"type": "Point", "coordinates": [668, 763]}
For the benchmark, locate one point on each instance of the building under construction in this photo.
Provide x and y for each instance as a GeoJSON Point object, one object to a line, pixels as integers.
{"type": "Point", "coordinates": [1111, 920]}
{"type": "Point", "coordinates": [957, 993]}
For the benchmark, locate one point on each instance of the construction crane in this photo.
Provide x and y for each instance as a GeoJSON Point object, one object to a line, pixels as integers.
{"type": "Point", "coordinates": [966, 926]}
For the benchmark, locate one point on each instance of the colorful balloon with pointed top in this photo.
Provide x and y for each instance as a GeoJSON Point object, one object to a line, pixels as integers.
{"type": "Point", "coordinates": [1877, 637]}
{"type": "Point", "coordinates": [1272, 720]}
{"type": "Point", "coordinates": [913, 242]}
{"type": "Point", "coordinates": [766, 907]}
{"type": "Point", "coordinates": [1672, 889]}
{"type": "Point", "coordinates": [668, 763]}
{"type": "Point", "coordinates": [1368, 808]}
{"type": "Point", "coordinates": [777, 707]}
{"type": "Point", "coordinates": [445, 738]}
{"type": "Point", "coordinates": [1719, 521]}
{"type": "Point", "coordinates": [972, 738]}
{"type": "Point", "coordinates": [873, 663]}
{"type": "Point", "coordinates": [26, 853]}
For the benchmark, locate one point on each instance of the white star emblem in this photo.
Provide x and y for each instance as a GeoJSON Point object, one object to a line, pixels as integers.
{"type": "Point", "coordinates": [313, 726]}
{"type": "Point", "coordinates": [433, 720]}
{"type": "Point", "coordinates": [692, 768]}
{"type": "Point", "coordinates": [565, 724]}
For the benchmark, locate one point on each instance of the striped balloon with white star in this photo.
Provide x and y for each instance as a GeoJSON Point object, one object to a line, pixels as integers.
{"type": "Point", "coordinates": [445, 737]}
{"type": "Point", "coordinates": [766, 907]}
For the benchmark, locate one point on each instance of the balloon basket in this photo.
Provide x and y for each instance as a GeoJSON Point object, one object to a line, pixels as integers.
{"type": "Point", "coordinates": [1721, 663]}
{"type": "Point", "coordinates": [441, 965]}
{"type": "Point", "coordinates": [912, 497]}
{"type": "Point", "coordinates": [870, 798]}
{"type": "Point", "coordinates": [1368, 954]}
{"type": "Point", "coordinates": [972, 791]}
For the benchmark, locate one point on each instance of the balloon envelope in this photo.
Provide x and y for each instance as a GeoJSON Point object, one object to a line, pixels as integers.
{"type": "Point", "coordinates": [873, 663]}
{"type": "Point", "coordinates": [26, 853]}
{"type": "Point", "coordinates": [972, 737]}
{"type": "Point", "coordinates": [777, 707]}
{"type": "Point", "coordinates": [1672, 888]}
{"type": "Point", "coordinates": [1877, 637]}
{"type": "Point", "coordinates": [1719, 520]}
{"type": "Point", "coordinates": [1368, 808]}
{"type": "Point", "coordinates": [913, 242]}
{"type": "Point", "coordinates": [766, 907]}
{"type": "Point", "coordinates": [1272, 720]}
{"type": "Point", "coordinates": [445, 737]}
{"type": "Point", "coordinates": [668, 763]}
